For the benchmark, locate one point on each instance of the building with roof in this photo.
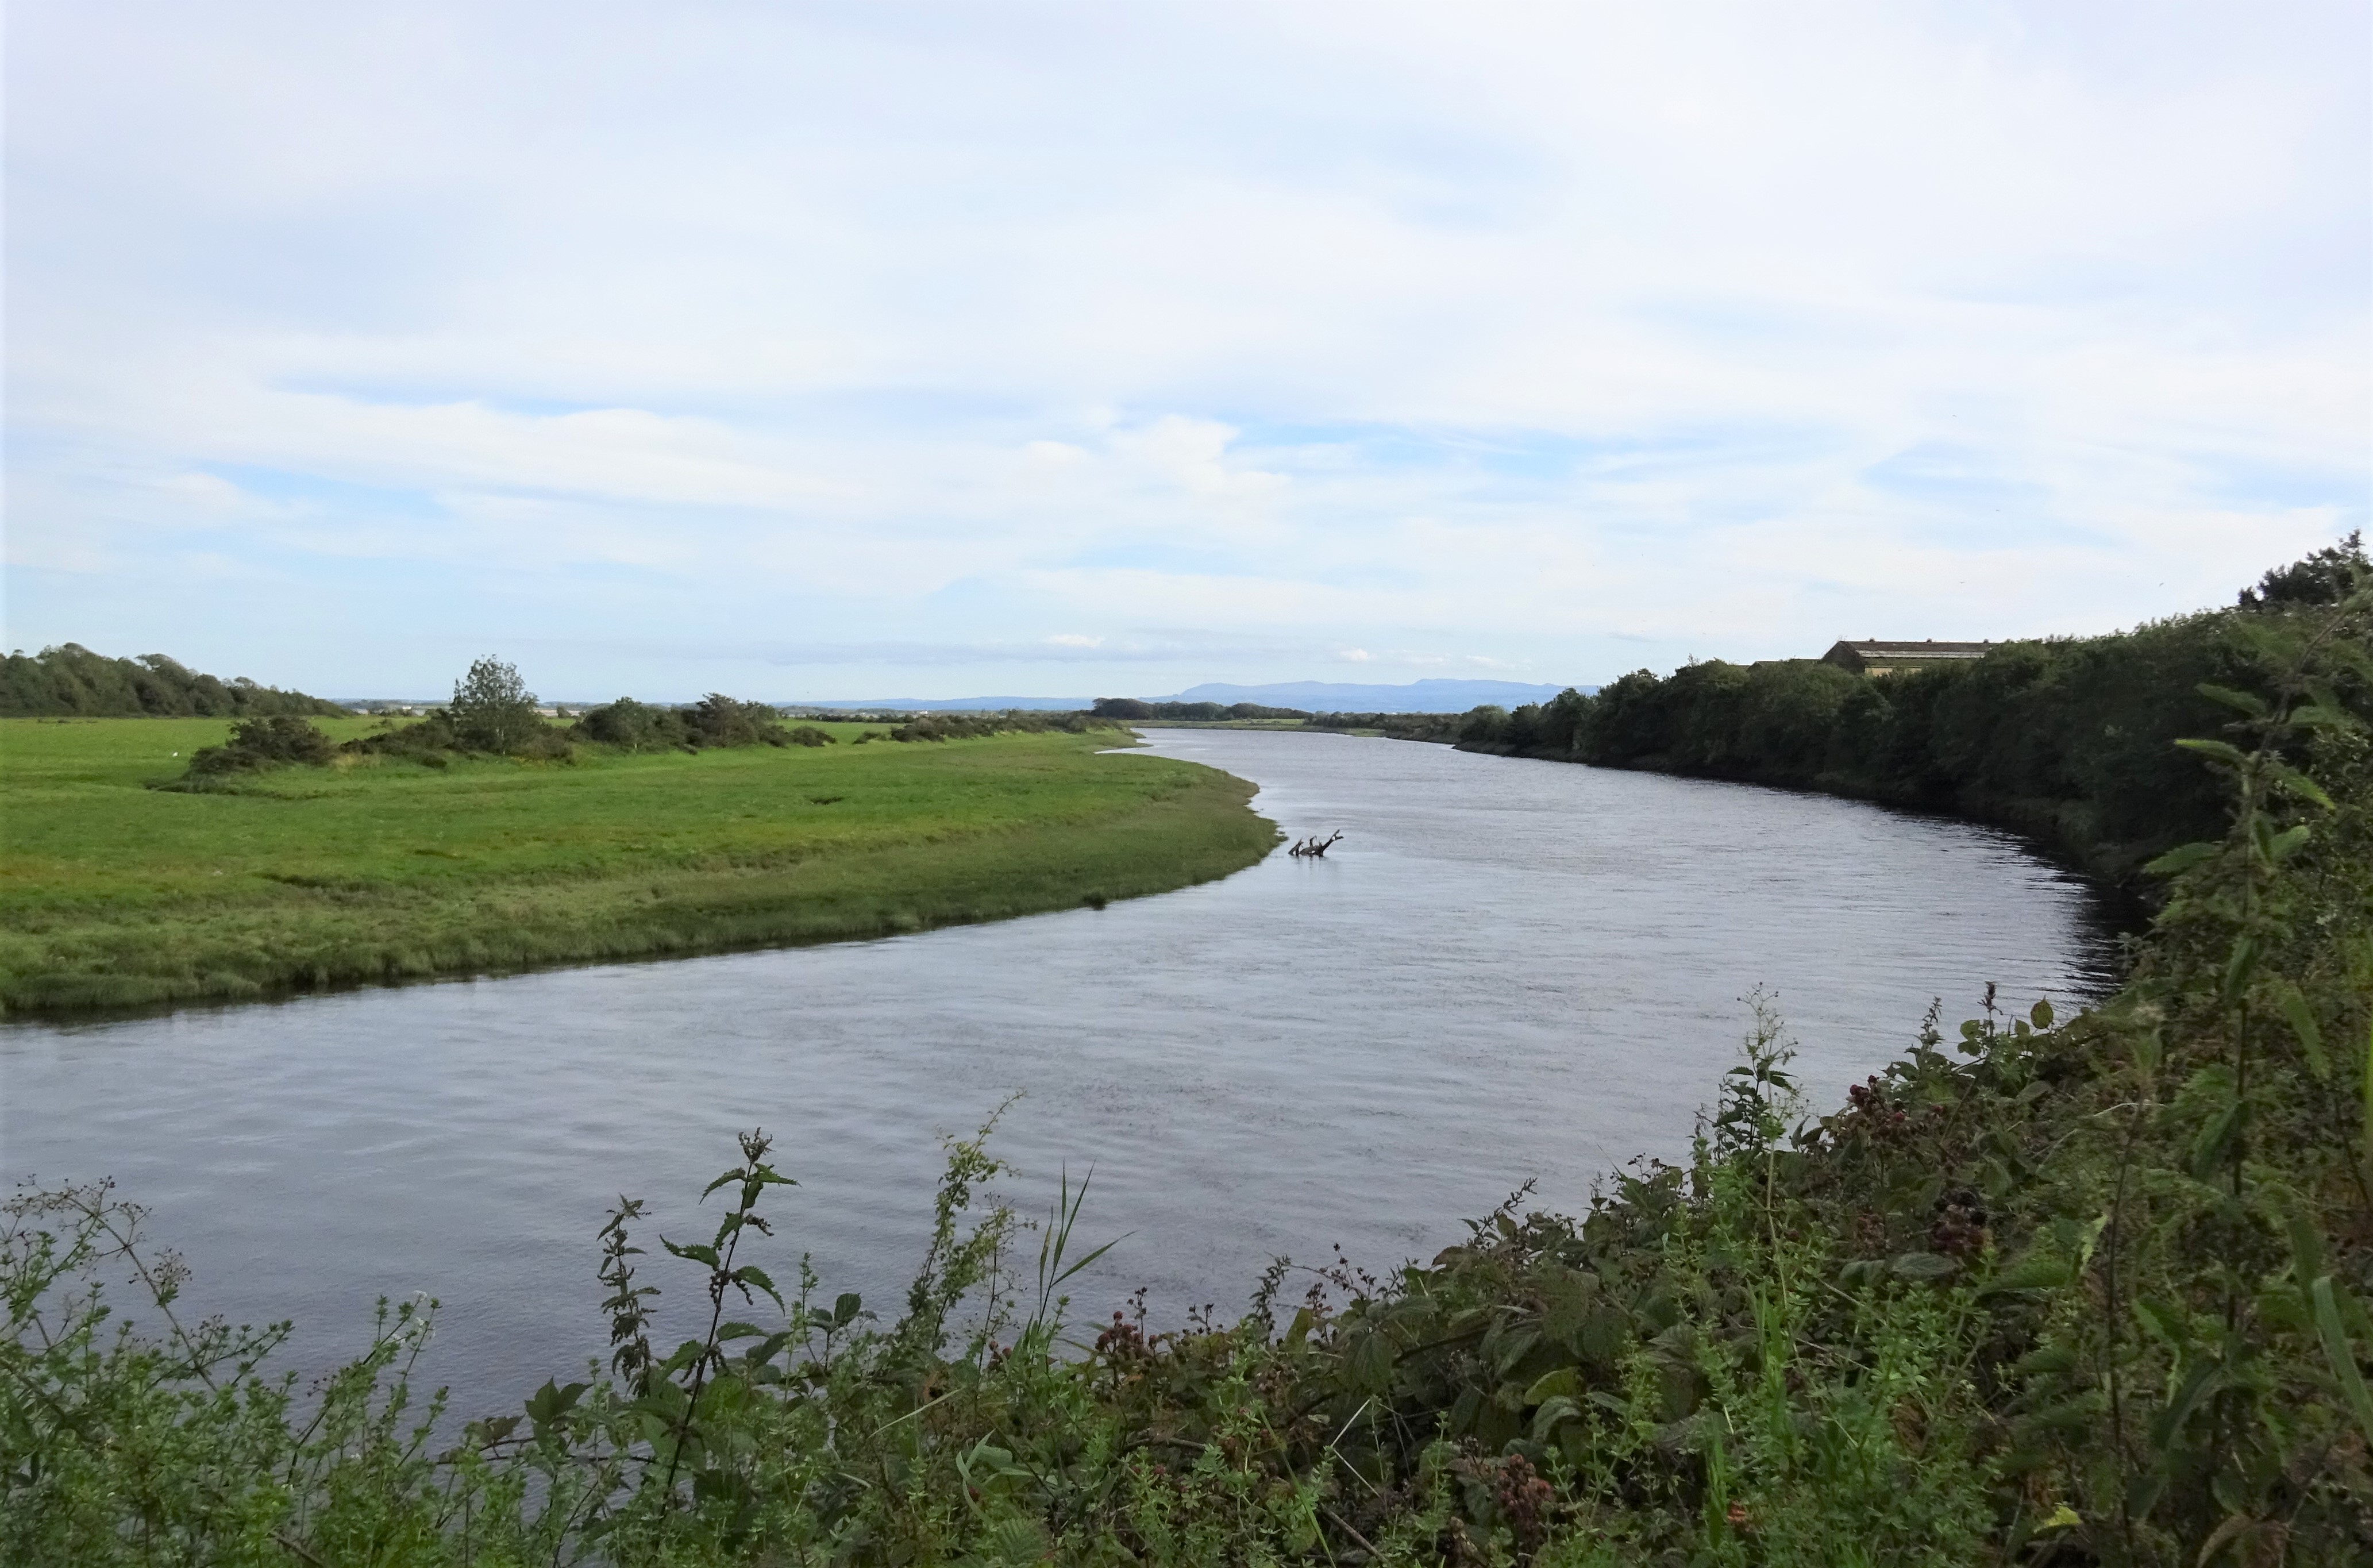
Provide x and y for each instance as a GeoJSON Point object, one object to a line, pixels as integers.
{"type": "Point", "coordinates": [1888, 658]}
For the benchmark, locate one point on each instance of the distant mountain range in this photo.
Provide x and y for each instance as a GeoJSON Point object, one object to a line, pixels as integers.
{"type": "Point", "coordinates": [1322, 696]}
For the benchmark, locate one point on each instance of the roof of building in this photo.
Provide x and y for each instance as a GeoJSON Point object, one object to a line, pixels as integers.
{"type": "Point", "coordinates": [1920, 650]}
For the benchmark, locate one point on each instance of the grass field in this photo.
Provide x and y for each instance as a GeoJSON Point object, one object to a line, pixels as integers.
{"type": "Point", "coordinates": [116, 895]}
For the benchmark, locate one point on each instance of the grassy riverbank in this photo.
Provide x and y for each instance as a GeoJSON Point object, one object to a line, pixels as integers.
{"type": "Point", "coordinates": [115, 894]}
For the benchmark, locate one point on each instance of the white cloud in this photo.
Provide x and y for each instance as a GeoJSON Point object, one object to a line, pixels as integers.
{"type": "Point", "coordinates": [1390, 327]}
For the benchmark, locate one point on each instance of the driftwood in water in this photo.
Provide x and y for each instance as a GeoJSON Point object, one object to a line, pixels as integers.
{"type": "Point", "coordinates": [1315, 847]}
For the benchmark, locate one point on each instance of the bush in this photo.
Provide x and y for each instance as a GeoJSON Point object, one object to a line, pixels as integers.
{"type": "Point", "coordinates": [715, 721]}
{"type": "Point", "coordinates": [629, 726]}
{"type": "Point", "coordinates": [720, 721]}
{"type": "Point", "coordinates": [263, 742]}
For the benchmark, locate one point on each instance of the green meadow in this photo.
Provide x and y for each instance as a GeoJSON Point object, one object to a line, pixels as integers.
{"type": "Point", "coordinates": [115, 894]}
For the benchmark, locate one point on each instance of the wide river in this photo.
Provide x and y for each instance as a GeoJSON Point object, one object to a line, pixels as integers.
{"type": "Point", "coordinates": [1507, 970]}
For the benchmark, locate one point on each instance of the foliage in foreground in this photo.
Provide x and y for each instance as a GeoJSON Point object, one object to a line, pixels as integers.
{"type": "Point", "coordinates": [2081, 1292]}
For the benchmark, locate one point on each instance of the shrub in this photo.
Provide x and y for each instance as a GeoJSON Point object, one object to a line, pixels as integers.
{"type": "Point", "coordinates": [263, 742]}
{"type": "Point", "coordinates": [715, 721]}
{"type": "Point", "coordinates": [626, 724]}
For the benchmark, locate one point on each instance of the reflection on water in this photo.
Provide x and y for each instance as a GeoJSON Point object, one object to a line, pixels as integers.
{"type": "Point", "coordinates": [1506, 970]}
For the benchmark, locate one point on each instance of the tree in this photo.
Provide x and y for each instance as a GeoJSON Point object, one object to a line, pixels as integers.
{"type": "Point", "coordinates": [492, 709]}
{"type": "Point", "coordinates": [2327, 577]}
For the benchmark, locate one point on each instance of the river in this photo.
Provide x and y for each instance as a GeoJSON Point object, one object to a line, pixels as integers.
{"type": "Point", "coordinates": [1505, 971]}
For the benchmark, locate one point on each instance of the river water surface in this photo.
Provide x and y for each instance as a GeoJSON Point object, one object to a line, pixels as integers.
{"type": "Point", "coordinates": [1507, 970]}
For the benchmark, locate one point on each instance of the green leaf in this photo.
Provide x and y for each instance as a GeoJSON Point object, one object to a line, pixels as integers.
{"type": "Point", "coordinates": [1563, 1382]}
{"type": "Point", "coordinates": [2206, 1377]}
{"type": "Point", "coordinates": [845, 1308]}
{"type": "Point", "coordinates": [2029, 1274]}
{"type": "Point", "coordinates": [1554, 1413]}
{"type": "Point", "coordinates": [2041, 1013]}
{"type": "Point", "coordinates": [1921, 1265]}
{"type": "Point", "coordinates": [2341, 1354]}
{"type": "Point", "coordinates": [2216, 1139]}
{"type": "Point", "coordinates": [1371, 1363]}
{"type": "Point", "coordinates": [2299, 784]}
{"type": "Point", "coordinates": [697, 1252]}
{"type": "Point", "coordinates": [2286, 844]}
{"type": "Point", "coordinates": [2307, 1242]}
{"type": "Point", "coordinates": [2183, 859]}
{"type": "Point", "coordinates": [2165, 1321]}
{"type": "Point", "coordinates": [2216, 751]}
{"type": "Point", "coordinates": [752, 1275]}
{"type": "Point", "coordinates": [494, 1429]}
{"type": "Point", "coordinates": [2316, 715]}
{"type": "Point", "coordinates": [2255, 707]}
{"type": "Point", "coordinates": [2241, 965]}
{"type": "Point", "coordinates": [551, 1402]}
{"type": "Point", "coordinates": [2302, 1021]}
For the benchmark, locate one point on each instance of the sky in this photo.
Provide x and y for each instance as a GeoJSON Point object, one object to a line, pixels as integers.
{"type": "Point", "coordinates": [813, 351]}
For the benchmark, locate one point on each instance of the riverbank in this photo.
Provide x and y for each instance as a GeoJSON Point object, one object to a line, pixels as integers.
{"type": "Point", "coordinates": [2080, 1289]}
{"type": "Point", "coordinates": [119, 896]}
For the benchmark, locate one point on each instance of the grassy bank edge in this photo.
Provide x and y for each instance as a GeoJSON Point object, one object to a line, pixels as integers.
{"type": "Point", "coordinates": [1203, 833]}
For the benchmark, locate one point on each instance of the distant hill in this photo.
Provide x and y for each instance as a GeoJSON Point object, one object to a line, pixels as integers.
{"type": "Point", "coordinates": [71, 681]}
{"type": "Point", "coordinates": [1338, 696]}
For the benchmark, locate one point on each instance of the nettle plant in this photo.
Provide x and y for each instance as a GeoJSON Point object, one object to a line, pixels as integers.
{"type": "Point", "coordinates": [2234, 1236]}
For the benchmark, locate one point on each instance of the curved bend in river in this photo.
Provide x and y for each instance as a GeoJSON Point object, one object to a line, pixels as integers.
{"type": "Point", "coordinates": [1504, 971]}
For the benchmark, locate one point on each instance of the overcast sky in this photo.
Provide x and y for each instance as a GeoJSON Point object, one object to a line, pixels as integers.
{"type": "Point", "coordinates": [865, 350]}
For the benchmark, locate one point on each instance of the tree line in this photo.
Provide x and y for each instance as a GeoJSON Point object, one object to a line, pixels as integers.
{"type": "Point", "coordinates": [69, 681]}
{"type": "Point", "coordinates": [1129, 708]}
{"type": "Point", "coordinates": [493, 714]}
{"type": "Point", "coordinates": [2070, 738]}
